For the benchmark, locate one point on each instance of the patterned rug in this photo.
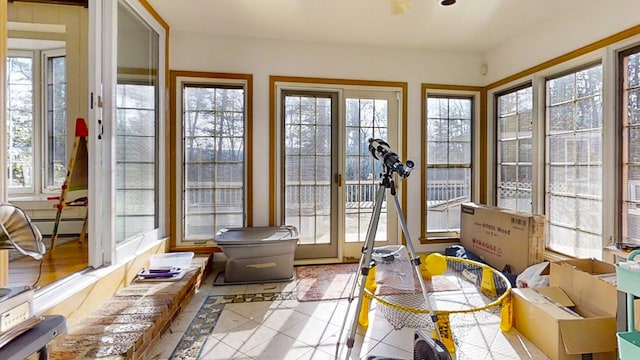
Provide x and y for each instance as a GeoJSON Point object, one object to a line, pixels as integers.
{"type": "Point", "coordinates": [324, 282]}
{"type": "Point", "coordinates": [335, 281]}
{"type": "Point", "coordinates": [190, 345]}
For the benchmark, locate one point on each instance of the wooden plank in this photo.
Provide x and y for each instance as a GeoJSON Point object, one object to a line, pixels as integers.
{"type": "Point", "coordinates": [4, 267]}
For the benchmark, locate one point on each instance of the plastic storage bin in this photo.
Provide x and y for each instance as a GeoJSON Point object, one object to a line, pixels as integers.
{"type": "Point", "coordinates": [176, 259]}
{"type": "Point", "coordinates": [629, 282]}
{"type": "Point", "coordinates": [257, 254]}
{"type": "Point", "coordinates": [629, 345]}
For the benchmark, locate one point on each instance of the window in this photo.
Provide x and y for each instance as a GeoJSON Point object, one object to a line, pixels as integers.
{"type": "Point", "coordinates": [211, 138]}
{"type": "Point", "coordinates": [448, 161]}
{"type": "Point", "coordinates": [55, 121]}
{"type": "Point", "coordinates": [36, 112]}
{"type": "Point", "coordinates": [514, 149]}
{"type": "Point", "coordinates": [630, 91]}
{"type": "Point", "coordinates": [574, 162]}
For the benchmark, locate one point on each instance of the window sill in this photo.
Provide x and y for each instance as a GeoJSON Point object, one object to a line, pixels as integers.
{"type": "Point", "coordinates": [439, 240]}
{"type": "Point", "coordinates": [52, 295]}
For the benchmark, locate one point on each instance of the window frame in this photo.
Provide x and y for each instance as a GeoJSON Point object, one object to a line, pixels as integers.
{"type": "Point", "coordinates": [496, 148]}
{"type": "Point", "coordinates": [177, 81]}
{"type": "Point", "coordinates": [547, 152]}
{"type": "Point", "coordinates": [40, 141]}
{"type": "Point", "coordinates": [46, 56]}
{"type": "Point", "coordinates": [537, 77]}
{"type": "Point", "coordinates": [477, 98]}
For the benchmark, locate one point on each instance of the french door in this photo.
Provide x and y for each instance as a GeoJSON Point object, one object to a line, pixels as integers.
{"type": "Point", "coordinates": [330, 178]}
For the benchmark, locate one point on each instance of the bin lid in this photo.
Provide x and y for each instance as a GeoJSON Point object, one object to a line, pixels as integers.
{"type": "Point", "coordinates": [256, 234]}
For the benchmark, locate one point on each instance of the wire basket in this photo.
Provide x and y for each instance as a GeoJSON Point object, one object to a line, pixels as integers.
{"type": "Point", "coordinates": [483, 293]}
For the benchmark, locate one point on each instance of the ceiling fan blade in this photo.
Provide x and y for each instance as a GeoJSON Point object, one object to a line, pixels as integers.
{"type": "Point", "coordinates": [400, 6]}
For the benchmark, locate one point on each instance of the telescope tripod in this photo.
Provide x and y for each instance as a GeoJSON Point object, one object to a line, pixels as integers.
{"type": "Point", "coordinates": [365, 264]}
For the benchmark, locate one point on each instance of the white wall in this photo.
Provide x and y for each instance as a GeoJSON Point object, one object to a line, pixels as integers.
{"type": "Point", "coordinates": [553, 38]}
{"type": "Point", "coordinates": [263, 58]}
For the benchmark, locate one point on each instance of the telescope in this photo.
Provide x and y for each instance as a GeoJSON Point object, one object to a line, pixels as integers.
{"type": "Point", "coordinates": [382, 151]}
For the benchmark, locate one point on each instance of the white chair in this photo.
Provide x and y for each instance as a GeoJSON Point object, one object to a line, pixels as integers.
{"type": "Point", "coordinates": [18, 232]}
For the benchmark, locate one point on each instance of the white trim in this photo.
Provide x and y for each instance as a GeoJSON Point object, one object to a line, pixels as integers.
{"type": "Point", "coordinates": [61, 290]}
{"type": "Point", "coordinates": [95, 147]}
{"type": "Point", "coordinates": [44, 61]}
{"type": "Point", "coordinates": [475, 146]}
{"type": "Point", "coordinates": [122, 251]}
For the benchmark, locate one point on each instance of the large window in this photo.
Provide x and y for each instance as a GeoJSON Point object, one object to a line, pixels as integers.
{"type": "Point", "coordinates": [514, 149]}
{"type": "Point", "coordinates": [630, 93]}
{"type": "Point", "coordinates": [213, 156]}
{"type": "Point", "coordinates": [37, 124]}
{"type": "Point", "coordinates": [213, 148]}
{"type": "Point", "coordinates": [574, 162]}
{"type": "Point", "coordinates": [448, 161]}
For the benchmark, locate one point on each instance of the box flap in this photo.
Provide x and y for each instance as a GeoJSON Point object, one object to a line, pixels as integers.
{"type": "Point", "coordinates": [557, 295]}
{"type": "Point", "coordinates": [589, 292]}
{"type": "Point", "coordinates": [591, 335]}
{"type": "Point", "coordinates": [546, 304]}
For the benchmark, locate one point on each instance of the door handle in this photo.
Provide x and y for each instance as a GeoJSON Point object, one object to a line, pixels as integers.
{"type": "Point", "coordinates": [339, 180]}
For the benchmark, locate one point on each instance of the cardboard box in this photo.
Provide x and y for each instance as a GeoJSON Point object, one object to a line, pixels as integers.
{"type": "Point", "coordinates": [573, 317]}
{"type": "Point", "coordinates": [502, 237]}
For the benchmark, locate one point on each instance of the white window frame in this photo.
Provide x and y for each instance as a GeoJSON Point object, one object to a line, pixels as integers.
{"type": "Point", "coordinates": [181, 239]}
{"type": "Point", "coordinates": [39, 138]}
{"type": "Point", "coordinates": [517, 139]}
{"type": "Point", "coordinates": [46, 55]}
{"type": "Point", "coordinates": [609, 137]}
{"type": "Point", "coordinates": [36, 124]}
{"type": "Point", "coordinates": [475, 97]}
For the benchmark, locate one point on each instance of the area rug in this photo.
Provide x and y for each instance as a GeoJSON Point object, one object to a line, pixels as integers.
{"type": "Point", "coordinates": [335, 281]}
{"type": "Point", "coordinates": [190, 345]}
{"type": "Point", "coordinates": [324, 282]}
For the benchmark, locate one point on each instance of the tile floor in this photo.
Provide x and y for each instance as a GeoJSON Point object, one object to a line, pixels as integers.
{"type": "Point", "coordinates": [288, 329]}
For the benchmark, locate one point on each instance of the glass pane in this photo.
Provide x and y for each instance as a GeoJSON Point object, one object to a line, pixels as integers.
{"type": "Point", "coordinates": [561, 89]}
{"type": "Point", "coordinates": [362, 171]}
{"type": "Point", "coordinates": [574, 168]}
{"type": "Point", "coordinates": [20, 123]}
{"type": "Point", "coordinates": [633, 107]}
{"type": "Point", "coordinates": [508, 127]}
{"type": "Point", "coordinates": [308, 164]}
{"type": "Point", "coordinates": [562, 179]}
{"type": "Point", "coordinates": [633, 70]}
{"type": "Point", "coordinates": [562, 149]}
{"type": "Point", "coordinates": [213, 136]}
{"type": "Point", "coordinates": [137, 125]}
{"type": "Point", "coordinates": [561, 118]}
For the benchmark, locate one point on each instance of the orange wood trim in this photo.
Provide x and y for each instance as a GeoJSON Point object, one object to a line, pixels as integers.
{"type": "Point", "coordinates": [272, 150]}
{"type": "Point", "coordinates": [429, 241]}
{"type": "Point", "coordinates": [172, 132]}
{"type": "Point", "coordinates": [197, 249]}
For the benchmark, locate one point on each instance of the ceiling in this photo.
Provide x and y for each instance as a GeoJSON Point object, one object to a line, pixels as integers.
{"type": "Point", "coordinates": [467, 26]}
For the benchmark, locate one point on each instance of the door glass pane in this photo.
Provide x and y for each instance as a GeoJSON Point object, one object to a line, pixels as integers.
{"type": "Point", "coordinates": [213, 128]}
{"type": "Point", "coordinates": [365, 119]}
{"type": "Point", "coordinates": [308, 172]}
{"type": "Point", "coordinates": [137, 126]}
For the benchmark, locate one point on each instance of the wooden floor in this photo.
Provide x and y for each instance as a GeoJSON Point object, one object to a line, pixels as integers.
{"type": "Point", "coordinates": [68, 258]}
